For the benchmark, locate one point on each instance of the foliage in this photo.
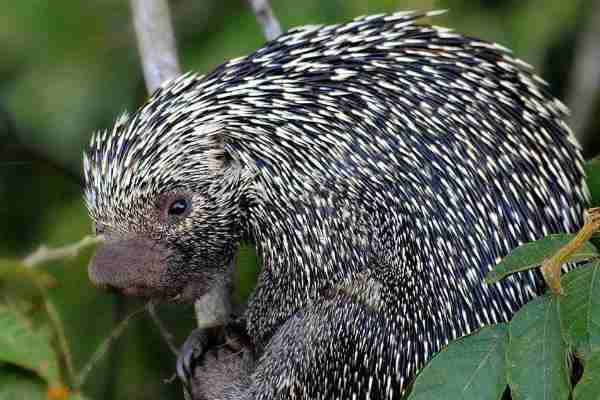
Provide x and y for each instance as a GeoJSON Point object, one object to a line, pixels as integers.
{"type": "Point", "coordinates": [531, 255]}
{"type": "Point", "coordinates": [533, 353]}
{"type": "Point", "coordinates": [473, 367]}
{"type": "Point", "coordinates": [34, 361]}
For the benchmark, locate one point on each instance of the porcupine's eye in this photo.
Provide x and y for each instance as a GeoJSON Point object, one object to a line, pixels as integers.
{"type": "Point", "coordinates": [179, 207]}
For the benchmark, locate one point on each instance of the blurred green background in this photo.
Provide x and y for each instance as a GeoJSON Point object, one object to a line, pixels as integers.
{"type": "Point", "coordinates": [68, 68]}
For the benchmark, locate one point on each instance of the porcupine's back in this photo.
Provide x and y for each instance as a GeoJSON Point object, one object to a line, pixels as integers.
{"type": "Point", "coordinates": [455, 149]}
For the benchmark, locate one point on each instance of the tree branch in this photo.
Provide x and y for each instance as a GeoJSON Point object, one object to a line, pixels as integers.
{"type": "Point", "coordinates": [104, 347]}
{"type": "Point", "coordinates": [45, 254]}
{"type": "Point", "coordinates": [156, 41]}
{"type": "Point", "coordinates": [265, 17]}
{"type": "Point", "coordinates": [167, 336]}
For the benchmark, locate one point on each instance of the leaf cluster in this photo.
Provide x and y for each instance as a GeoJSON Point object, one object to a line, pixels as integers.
{"type": "Point", "coordinates": [539, 353]}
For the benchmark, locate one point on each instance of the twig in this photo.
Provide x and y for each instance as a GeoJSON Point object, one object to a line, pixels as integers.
{"type": "Point", "coordinates": [103, 348]}
{"type": "Point", "coordinates": [265, 17]}
{"type": "Point", "coordinates": [111, 384]}
{"type": "Point", "coordinates": [63, 344]}
{"type": "Point", "coordinates": [551, 268]}
{"type": "Point", "coordinates": [45, 254]}
{"type": "Point", "coordinates": [167, 336]}
{"type": "Point", "coordinates": [585, 77]}
{"type": "Point", "coordinates": [156, 41]}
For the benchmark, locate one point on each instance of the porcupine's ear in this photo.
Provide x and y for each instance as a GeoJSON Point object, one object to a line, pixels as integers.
{"type": "Point", "coordinates": [221, 157]}
{"type": "Point", "coordinates": [239, 171]}
{"type": "Point", "coordinates": [212, 148]}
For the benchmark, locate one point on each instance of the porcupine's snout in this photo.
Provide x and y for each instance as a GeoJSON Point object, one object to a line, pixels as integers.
{"type": "Point", "coordinates": [133, 267]}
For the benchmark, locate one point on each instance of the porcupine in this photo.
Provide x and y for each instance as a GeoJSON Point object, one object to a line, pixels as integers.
{"type": "Point", "coordinates": [446, 153]}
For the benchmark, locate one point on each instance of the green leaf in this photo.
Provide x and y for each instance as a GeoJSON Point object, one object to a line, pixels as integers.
{"type": "Point", "coordinates": [580, 307]}
{"type": "Point", "coordinates": [472, 367]}
{"type": "Point", "coordinates": [531, 255]}
{"type": "Point", "coordinates": [592, 172]}
{"type": "Point", "coordinates": [25, 347]}
{"type": "Point", "coordinates": [537, 353]}
{"type": "Point", "coordinates": [588, 387]}
{"type": "Point", "coordinates": [16, 383]}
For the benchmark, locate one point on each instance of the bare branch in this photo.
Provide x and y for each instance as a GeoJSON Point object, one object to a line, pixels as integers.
{"type": "Point", "coordinates": [45, 254]}
{"type": "Point", "coordinates": [585, 76]}
{"type": "Point", "coordinates": [156, 41]}
{"type": "Point", "coordinates": [64, 351]}
{"type": "Point", "coordinates": [265, 17]}
{"type": "Point", "coordinates": [104, 347]}
{"type": "Point", "coordinates": [167, 336]}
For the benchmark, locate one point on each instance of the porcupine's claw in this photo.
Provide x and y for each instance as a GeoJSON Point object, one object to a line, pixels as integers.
{"type": "Point", "coordinates": [192, 350]}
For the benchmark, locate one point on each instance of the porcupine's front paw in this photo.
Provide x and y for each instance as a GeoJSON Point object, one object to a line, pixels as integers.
{"type": "Point", "coordinates": [192, 351]}
{"type": "Point", "coordinates": [213, 367]}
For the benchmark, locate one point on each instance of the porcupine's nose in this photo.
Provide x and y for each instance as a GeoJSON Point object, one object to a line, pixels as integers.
{"type": "Point", "coordinates": [132, 266]}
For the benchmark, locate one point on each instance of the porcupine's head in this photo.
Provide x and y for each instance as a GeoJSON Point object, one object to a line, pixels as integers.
{"type": "Point", "coordinates": [160, 189]}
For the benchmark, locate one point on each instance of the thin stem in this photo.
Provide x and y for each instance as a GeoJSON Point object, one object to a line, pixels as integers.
{"type": "Point", "coordinates": [104, 347]}
{"type": "Point", "coordinates": [63, 345]}
{"type": "Point", "coordinates": [156, 41]}
{"type": "Point", "coordinates": [167, 336]}
{"type": "Point", "coordinates": [265, 17]}
{"type": "Point", "coordinates": [45, 254]}
{"type": "Point", "coordinates": [551, 268]}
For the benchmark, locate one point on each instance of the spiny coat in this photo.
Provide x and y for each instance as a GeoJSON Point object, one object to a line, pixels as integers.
{"type": "Point", "coordinates": [381, 167]}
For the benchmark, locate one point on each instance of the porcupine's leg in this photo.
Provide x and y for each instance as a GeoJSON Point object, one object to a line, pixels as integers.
{"type": "Point", "coordinates": [228, 346]}
{"type": "Point", "coordinates": [323, 352]}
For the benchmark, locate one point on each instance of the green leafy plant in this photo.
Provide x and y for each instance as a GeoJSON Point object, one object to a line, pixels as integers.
{"type": "Point", "coordinates": [533, 354]}
{"type": "Point", "coordinates": [35, 359]}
